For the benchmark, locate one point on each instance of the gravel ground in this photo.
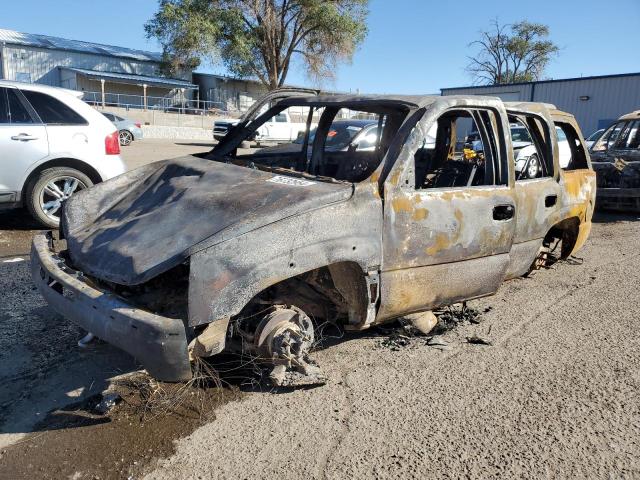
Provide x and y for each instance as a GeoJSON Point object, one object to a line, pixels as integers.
{"type": "Point", "coordinates": [556, 394]}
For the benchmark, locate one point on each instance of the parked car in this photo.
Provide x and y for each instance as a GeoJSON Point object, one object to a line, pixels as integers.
{"type": "Point", "coordinates": [616, 160]}
{"type": "Point", "coordinates": [222, 126]}
{"type": "Point", "coordinates": [528, 163]}
{"type": "Point", "coordinates": [591, 139]}
{"type": "Point", "coordinates": [52, 145]}
{"type": "Point", "coordinates": [250, 252]}
{"type": "Point", "coordinates": [278, 129]}
{"type": "Point", "coordinates": [526, 158]}
{"type": "Point", "coordinates": [128, 130]}
{"type": "Point", "coordinates": [360, 135]}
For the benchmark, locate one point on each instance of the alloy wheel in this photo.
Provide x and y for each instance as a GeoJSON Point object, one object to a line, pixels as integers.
{"type": "Point", "coordinates": [55, 192]}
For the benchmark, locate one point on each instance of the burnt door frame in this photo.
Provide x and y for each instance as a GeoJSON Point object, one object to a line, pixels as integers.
{"type": "Point", "coordinates": [444, 245]}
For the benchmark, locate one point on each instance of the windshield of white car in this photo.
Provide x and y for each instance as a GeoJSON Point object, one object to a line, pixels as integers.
{"type": "Point", "coordinates": [520, 135]}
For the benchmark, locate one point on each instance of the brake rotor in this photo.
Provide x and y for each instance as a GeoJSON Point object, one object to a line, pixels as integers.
{"type": "Point", "coordinates": [285, 336]}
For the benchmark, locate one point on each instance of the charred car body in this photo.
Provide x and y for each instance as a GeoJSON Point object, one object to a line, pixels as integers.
{"type": "Point", "coordinates": [186, 257]}
{"type": "Point", "coordinates": [616, 160]}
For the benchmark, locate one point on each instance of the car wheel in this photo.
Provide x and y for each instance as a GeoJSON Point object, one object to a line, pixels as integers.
{"type": "Point", "coordinates": [47, 191]}
{"type": "Point", "coordinates": [533, 167]}
{"type": "Point", "coordinates": [125, 137]}
{"type": "Point", "coordinates": [245, 144]}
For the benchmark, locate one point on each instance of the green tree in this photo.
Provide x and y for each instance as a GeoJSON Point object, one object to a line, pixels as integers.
{"type": "Point", "coordinates": [512, 53]}
{"type": "Point", "coordinates": [259, 38]}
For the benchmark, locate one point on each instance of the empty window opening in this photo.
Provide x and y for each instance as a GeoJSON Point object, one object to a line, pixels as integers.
{"type": "Point", "coordinates": [570, 149]}
{"type": "Point", "coordinates": [608, 138]}
{"type": "Point", "coordinates": [327, 142]}
{"type": "Point", "coordinates": [460, 150]}
{"type": "Point", "coordinates": [531, 149]}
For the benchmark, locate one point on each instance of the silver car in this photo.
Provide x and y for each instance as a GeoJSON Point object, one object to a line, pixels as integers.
{"type": "Point", "coordinates": [128, 130]}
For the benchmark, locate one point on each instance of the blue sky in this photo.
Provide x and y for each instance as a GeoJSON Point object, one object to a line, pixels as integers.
{"type": "Point", "coordinates": [414, 46]}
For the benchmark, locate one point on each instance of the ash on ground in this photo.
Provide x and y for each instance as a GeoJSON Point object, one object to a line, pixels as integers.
{"type": "Point", "coordinates": [402, 334]}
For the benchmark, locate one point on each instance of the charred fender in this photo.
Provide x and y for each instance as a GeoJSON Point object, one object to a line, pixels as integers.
{"type": "Point", "coordinates": [225, 277]}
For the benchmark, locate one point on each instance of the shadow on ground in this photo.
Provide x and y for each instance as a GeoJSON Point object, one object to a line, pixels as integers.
{"type": "Point", "coordinates": [208, 145]}
{"type": "Point", "coordinates": [610, 216]}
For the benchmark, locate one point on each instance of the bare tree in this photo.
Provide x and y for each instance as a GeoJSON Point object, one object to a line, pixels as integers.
{"type": "Point", "coordinates": [511, 53]}
{"type": "Point", "coordinates": [260, 38]}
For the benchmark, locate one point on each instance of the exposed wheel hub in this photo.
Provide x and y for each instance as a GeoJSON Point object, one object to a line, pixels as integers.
{"type": "Point", "coordinates": [284, 337]}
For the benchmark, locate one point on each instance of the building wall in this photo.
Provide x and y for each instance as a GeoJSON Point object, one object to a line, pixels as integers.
{"type": "Point", "coordinates": [124, 94]}
{"type": "Point", "coordinates": [609, 97]}
{"type": "Point", "coordinates": [230, 94]}
{"type": "Point", "coordinates": [39, 65]}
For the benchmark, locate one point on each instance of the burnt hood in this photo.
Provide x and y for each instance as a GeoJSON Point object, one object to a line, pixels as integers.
{"type": "Point", "coordinates": [134, 227]}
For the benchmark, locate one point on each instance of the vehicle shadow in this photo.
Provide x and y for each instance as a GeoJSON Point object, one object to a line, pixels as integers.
{"type": "Point", "coordinates": [248, 374]}
{"type": "Point", "coordinates": [612, 216]}
{"type": "Point", "coordinates": [197, 144]}
{"type": "Point", "coordinates": [18, 219]}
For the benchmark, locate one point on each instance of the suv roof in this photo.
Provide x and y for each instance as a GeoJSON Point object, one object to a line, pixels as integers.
{"type": "Point", "coordinates": [40, 88]}
{"type": "Point", "coordinates": [346, 101]}
{"type": "Point", "coordinates": [631, 116]}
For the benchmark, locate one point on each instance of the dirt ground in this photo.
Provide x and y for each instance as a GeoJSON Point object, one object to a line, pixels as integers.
{"type": "Point", "coordinates": [151, 150]}
{"type": "Point", "coordinates": [556, 394]}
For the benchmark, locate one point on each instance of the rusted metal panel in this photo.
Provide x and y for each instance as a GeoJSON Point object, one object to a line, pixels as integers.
{"type": "Point", "coordinates": [432, 236]}
{"type": "Point", "coordinates": [424, 288]}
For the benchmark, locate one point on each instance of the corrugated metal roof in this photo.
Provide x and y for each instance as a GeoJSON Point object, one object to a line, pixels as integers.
{"type": "Point", "coordinates": [136, 79]}
{"type": "Point", "coordinates": [538, 82]}
{"type": "Point", "coordinates": [57, 43]}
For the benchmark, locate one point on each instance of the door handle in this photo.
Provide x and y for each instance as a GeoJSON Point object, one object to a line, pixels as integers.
{"type": "Point", "coordinates": [24, 137]}
{"type": "Point", "coordinates": [550, 200]}
{"type": "Point", "coordinates": [503, 212]}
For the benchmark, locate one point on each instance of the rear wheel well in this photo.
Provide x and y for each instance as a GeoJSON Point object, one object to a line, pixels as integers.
{"type": "Point", "coordinates": [79, 165]}
{"type": "Point", "coordinates": [567, 231]}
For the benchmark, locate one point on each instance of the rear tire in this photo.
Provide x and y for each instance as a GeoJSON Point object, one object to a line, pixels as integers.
{"type": "Point", "coordinates": [533, 167]}
{"type": "Point", "coordinates": [47, 190]}
{"type": "Point", "coordinates": [126, 137]}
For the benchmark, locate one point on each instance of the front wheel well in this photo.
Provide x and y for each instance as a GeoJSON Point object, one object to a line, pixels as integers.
{"type": "Point", "coordinates": [565, 231]}
{"type": "Point", "coordinates": [79, 165]}
{"type": "Point", "coordinates": [335, 293]}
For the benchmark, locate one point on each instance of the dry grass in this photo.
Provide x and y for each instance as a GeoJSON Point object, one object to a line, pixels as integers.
{"type": "Point", "coordinates": [198, 397]}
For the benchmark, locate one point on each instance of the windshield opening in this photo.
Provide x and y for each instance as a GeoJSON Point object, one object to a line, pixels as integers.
{"type": "Point", "coordinates": [328, 143]}
{"type": "Point", "coordinates": [608, 138]}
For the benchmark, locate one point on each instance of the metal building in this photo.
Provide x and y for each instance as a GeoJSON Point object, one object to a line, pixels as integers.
{"type": "Point", "coordinates": [594, 101]}
{"type": "Point", "coordinates": [228, 93]}
{"type": "Point", "coordinates": [107, 74]}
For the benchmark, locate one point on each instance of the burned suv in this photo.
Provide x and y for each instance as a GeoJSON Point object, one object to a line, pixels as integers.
{"type": "Point", "coordinates": [227, 250]}
{"type": "Point", "coordinates": [616, 160]}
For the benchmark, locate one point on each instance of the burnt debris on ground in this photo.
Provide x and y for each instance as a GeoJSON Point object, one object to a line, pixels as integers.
{"type": "Point", "coordinates": [404, 334]}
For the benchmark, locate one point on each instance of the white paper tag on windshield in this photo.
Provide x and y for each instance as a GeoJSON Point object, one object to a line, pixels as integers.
{"type": "Point", "coordinates": [294, 182]}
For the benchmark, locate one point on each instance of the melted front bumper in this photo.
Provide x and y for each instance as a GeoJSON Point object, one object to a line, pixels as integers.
{"type": "Point", "coordinates": [158, 342]}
